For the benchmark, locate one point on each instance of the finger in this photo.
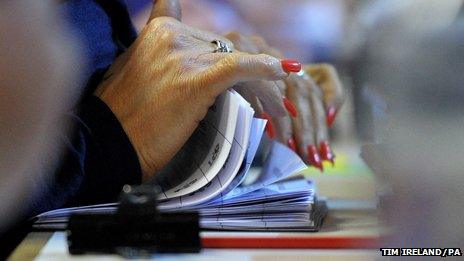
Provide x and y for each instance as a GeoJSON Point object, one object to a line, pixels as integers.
{"type": "Point", "coordinates": [183, 30]}
{"type": "Point", "coordinates": [283, 131]}
{"type": "Point", "coordinates": [260, 43]}
{"type": "Point", "coordinates": [303, 126]}
{"type": "Point", "coordinates": [260, 113]}
{"type": "Point", "coordinates": [275, 52]}
{"type": "Point", "coordinates": [192, 40]}
{"type": "Point", "coordinates": [320, 125]}
{"type": "Point", "coordinates": [279, 128]}
{"type": "Point", "coordinates": [257, 106]}
{"type": "Point", "coordinates": [244, 91]}
{"type": "Point", "coordinates": [242, 43]}
{"type": "Point", "coordinates": [327, 79]}
{"type": "Point", "coordinates": [269, 95]}
{"type": "Point", "coordinates": [257, 45]}
{"type": "Point", "coordinates": [169, 8]}
{"type": "Point", "coordinates": [252, 44]}
{"type": "Point", "coordinates": [208, 36]}
{"type": "Point", "coordinates": [232, 68]}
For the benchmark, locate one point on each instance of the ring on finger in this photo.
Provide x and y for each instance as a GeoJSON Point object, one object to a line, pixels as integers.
{"type": "Point", "coordinates": [221, 47]}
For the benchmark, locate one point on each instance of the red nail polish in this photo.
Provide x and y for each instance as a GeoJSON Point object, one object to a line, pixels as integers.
{"type": "Point", "coordinates": [314, 158]}
{"type": "Point", "coordinates": [290, 107]}
{"type": "Point", "coordinates": [269, 127]}
{"type": "Point", "coordinates": [331, 112]}
{"type": "Point", "coordinates": [291, 144]}
{"type": "Point", "coordinates": [326, 152]}
{"type": "Point", "coordinates": [291, 66]}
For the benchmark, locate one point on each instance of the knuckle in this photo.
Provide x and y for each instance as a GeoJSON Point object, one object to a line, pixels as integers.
{"type": "Point", "coordinates": [327, 66]}
{"type": "Point", "coordinates": [228, 39]}
{"type": "Point", "coordinates": [233, 36]}
{"type": "Point", "coordinates": [258, 40]}
{"type": "Point", "coordinates": [162, 23]}
{"type": "Point", "coordinates": [167, 21]}
{"type": "Point", "coordinates": [328, 69]}
{"type": "Point", "coordinates": [167, 37]}
{"type": "Point", "coordinates": [228, 42]}
{"type": "Point", "coordinates": [152, 24]}
{"type": "Point", "coordinates": [275, 52]}
{"type": "Point", "coordinates": [180, 41]}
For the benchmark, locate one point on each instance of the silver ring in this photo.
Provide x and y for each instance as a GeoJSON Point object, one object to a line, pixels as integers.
{"type": "Point", "coordinates": [221, 47]}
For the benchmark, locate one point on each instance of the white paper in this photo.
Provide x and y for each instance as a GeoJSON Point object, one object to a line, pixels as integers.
{"type": "Point", "coordinates": [204, 154]}
{"type": "Point", "coordinates": [259, 210]}
{"type": "Point", "coordinates": [230, 167]}
{"type": "Point", "coordinates": [280, 163]}
{"type": "Point", "coordinates": [256, 135]}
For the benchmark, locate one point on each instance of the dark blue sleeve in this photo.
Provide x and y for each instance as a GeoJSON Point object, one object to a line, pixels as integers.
{"type": "Point", "coordinates": [99, 159]}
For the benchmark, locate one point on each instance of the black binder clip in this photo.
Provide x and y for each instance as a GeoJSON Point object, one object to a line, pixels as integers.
{"type": "Point", "coordinates": [137, 228]}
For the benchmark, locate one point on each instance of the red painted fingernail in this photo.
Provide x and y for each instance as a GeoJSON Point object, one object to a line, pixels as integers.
{"type": "Point", "coordinates": [291, 144]}
{"type": "Point", "coordinates": [269, 127]}
{"type": "Point", "coordinates": [314, 158]}
{"type": "Point", "coordinates": [290, 107]}
{"type": "Point", "coordinates": [331, 112]}
{"type": "Point", "coordinates": [291, 66]}
{"type": "Point", "coordinates": [326, 152]}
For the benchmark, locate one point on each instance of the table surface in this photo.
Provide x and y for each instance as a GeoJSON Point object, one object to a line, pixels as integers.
{"type": "Point", "coordinates": [352, 213]}
{"type": "Point", "coordinates": [339, 223]}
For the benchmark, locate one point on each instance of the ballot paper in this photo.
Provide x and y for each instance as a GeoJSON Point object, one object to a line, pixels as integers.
{"type": "Point", "coordinates": [284, 206]}
{"type": "Point", "coordinates": [231, 165]}
{"type": "Point", "coordinates": [205, 152]}
{"type": "Point", "coordinates": [208, 172]}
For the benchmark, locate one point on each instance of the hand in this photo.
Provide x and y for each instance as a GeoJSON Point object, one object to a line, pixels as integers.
{"type": "Point", "coordinates": [317, 100]}
{"type": "Point", "coordinates": [308, 100]}
{"type": "Point", "coordinates": [163, 85]}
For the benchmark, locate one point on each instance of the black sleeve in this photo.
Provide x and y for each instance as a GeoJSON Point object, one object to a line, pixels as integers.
{"type": "Point", "coordinates": [99, 159]}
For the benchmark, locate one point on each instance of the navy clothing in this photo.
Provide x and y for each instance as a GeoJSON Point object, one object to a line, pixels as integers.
{"type": "Point", "coordinates": [99, 157]}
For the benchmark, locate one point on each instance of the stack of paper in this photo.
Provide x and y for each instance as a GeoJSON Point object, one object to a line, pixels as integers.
{"type": "Point", "coordinates": [207, 175]}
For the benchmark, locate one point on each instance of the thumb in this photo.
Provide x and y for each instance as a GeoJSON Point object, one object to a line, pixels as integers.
{"type": "Point", "coordinates": [170, 8]}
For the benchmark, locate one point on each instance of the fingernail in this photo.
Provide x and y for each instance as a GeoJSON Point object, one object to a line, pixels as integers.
{"type": "Point", "coordinates": [269, 127]}
{"type": "Point", "coordinates": [326, 152]}
{"type": "Point", "coordinates": [291, 66]}
{"type": "Point", "coordinates": [331, 112]}
{"type": "Point", "coordinates": [291, 144]}
{"type": "Point", "coordinates": [314, 158]}
{"type": "Point", "coordinates": [290, 107]}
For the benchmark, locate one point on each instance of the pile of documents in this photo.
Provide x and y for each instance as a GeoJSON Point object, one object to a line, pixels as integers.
{"type": "Point", "coordinates": [207, 175]}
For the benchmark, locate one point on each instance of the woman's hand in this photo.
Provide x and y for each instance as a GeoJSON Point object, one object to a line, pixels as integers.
{"type": "Point", "coordinates": [317, 95]}
{"type": "Point", "coordinates": [163, 85]}
{"type": "Point", "coordinates": [311, 99]}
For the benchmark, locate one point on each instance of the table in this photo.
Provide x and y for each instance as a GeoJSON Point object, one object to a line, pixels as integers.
{"type": "Point", "coordinates": [349, 219]}
{"type": "Point", "coordinates": [352, 214]}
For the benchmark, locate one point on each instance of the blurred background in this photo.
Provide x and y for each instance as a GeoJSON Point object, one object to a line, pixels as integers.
{"type": "Point", "coordinates": [402, 65]}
